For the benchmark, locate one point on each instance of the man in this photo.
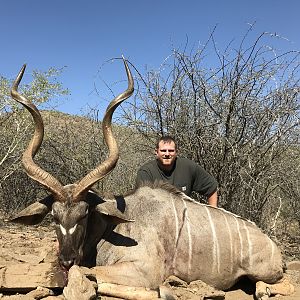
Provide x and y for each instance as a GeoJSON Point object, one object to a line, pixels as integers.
{"type": "Point", "coordinates": [183, 173]}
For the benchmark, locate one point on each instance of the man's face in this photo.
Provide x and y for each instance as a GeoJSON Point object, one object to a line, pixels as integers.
{"type": "Point", "coordinates": [166, 154]}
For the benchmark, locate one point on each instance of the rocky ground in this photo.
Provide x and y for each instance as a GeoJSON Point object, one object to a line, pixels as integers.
{"type": "Point", "coordinates": [28, 260]}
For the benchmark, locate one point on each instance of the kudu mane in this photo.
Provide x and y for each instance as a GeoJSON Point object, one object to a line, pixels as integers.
{"type": "Point", "coordinates": [160, 184]}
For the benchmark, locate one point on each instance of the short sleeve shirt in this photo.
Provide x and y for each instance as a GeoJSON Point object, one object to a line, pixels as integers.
{"type": "Point", "coordinates": [186, 175]}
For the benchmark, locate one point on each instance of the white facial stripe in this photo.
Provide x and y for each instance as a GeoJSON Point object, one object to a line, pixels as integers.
{"type": "Point", "coordinates": [71, 231]}
{"type": "Point", "coordinates": [62, 229]}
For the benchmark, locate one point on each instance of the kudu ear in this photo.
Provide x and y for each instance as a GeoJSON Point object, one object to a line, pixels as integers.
{"type": "Point", "coordinates": [109, 208]}
{"type": "Point", "coordinates": [34, 213]}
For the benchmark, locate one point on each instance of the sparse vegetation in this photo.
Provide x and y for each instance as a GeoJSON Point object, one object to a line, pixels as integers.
{"type": "Point", "coordinates": [236, 114]}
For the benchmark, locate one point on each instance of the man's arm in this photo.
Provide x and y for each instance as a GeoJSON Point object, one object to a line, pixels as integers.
{"type": "Point", "coordinates": [206, 185]}
{"type": "Point", "coordinates": [213, 199]}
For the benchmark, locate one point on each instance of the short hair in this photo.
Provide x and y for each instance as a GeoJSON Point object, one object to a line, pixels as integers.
{"type": "Point", "coordinates": [166, 139]}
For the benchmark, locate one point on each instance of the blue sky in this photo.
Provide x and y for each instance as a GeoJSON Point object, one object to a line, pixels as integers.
{"type": "Point", "coordinates": [83, 35]}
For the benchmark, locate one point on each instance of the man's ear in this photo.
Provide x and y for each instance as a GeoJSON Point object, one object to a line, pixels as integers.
{"type": "Point", "coordinates": [108, 208]}
{"type": "Point", "coordinates": [34, 213]}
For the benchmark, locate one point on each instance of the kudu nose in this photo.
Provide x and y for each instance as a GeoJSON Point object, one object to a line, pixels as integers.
{"type": "Point", "coordinates": [66, 263]}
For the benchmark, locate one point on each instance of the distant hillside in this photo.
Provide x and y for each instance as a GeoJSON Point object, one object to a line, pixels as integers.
{"type": "Point", "coordinates": [72, 146]}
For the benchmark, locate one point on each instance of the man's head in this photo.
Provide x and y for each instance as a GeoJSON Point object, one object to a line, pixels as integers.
{"type": "Point", "coordinates": [166, 152]}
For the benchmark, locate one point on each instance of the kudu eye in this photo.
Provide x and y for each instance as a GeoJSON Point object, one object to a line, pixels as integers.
{"type": "Point", "coordinates": [55, 220]}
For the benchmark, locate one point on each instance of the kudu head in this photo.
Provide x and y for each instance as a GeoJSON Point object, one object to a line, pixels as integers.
{"type": "Point", "coordinates": [70, 205]}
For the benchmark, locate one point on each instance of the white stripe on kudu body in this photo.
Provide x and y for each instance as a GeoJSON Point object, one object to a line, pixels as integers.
{"type": "Point", "coordinates": [215, 244]}
{"type": "Point", "coordinates": [188, 228]}
{"type": "Point", "coordinates": [176, 233]}
{"type": "Point", "coordinates": [249, 254]}
{"type": "Point", "coordinates": [230, 242]}
{"type": "Point", "coordinates": [240, 238]}
{"type": "Point", "coordinates": [184, 220]}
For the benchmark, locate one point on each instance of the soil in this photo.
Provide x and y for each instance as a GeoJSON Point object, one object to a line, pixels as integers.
{"type": "Point", "coordinates": [33, 245]}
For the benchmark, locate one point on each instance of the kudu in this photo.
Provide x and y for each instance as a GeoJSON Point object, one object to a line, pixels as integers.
{"type": "Point", "coordinates": [171, 234]}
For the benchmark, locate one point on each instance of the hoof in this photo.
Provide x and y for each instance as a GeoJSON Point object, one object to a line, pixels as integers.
{"type": "Point", "coordinates": [166, 293]}
{"type": "Point", "coordinates": [263, 292]}
{"type": "Point", "coordinates": [265, 297]}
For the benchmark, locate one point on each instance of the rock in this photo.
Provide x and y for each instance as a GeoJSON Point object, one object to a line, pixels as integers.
{"type": "Point", "coordinates": [79, 287]}
{"type": "Point", "coordinates": [37, 294]}
{"type": "Point", "coordinates": [17, 297]}
{"type": "Point", "coordinates": [40, 292]}
{"type": "Point", "coordinates": [24, 276]}
{"type": "Point", "coordinates": [27, 258]}
{"type": "Point", "coordinates": [196, 290]}
{"type": "Point", "coordinates": [293, 265]}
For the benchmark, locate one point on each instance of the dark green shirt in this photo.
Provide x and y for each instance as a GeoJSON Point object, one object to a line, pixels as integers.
{"type": "Point", "coordinates": [186, 175]}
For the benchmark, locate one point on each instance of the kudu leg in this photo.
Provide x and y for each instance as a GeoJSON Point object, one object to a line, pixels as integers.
{"type": "Point", "coordinates": [126, 292]}
{"type": "Point", "coordinates": [124, 281]}
{"type": "Point", "coordinates": [133, 293]}
{"type": "Point", "coordinates": [265, 290]}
